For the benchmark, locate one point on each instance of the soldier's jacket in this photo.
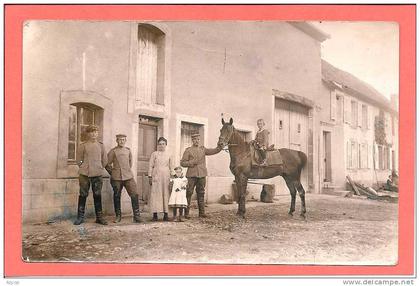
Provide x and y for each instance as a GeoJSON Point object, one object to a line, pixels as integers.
{"type": "Point", "coordinates": [91, 158]}
{"type": "Point", "coordinates": [119, 164]}
{"type": "Point", "coordinates": [195, 159]}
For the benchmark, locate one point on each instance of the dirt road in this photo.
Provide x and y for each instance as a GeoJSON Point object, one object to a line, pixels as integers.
{"type": "Point", "coordinates": [337, 231]}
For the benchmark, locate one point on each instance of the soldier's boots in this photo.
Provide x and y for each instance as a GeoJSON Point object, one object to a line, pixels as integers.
{"type": "Point", "coordinates": [117, 218]}
{"type": "Point", "coordinates": [98, 210]}
{"type": "Point", "coordinates": [117, 208]}
{"type": "Point", "coordinates": [165, 217]}
{"type": "Point", "coordinates": [101, 220]}
{"type": "Point", "coordinates": [201, 204]}
{"type": "Point", "coordinates": [155, 217]}
{"type": "Point", "coordinates": [80, 211]}
{"type": "Point", "coordinates": [136, 209]}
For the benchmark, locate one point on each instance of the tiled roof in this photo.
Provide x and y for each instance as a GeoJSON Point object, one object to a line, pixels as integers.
{"type": "Point", "coordinates": [352, 85]}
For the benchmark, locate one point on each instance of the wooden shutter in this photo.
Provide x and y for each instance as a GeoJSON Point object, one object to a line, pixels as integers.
{"type": "Point", "coordinates": [333, 100]}
{"type": "Point", "coordinates": [347, 109]}
{"type": "Point", "coordinates": [359, 114]}
{"type": "Point", "coordinates": [146, 66]}
{"type": "Point", "coordinates": [369, 124]}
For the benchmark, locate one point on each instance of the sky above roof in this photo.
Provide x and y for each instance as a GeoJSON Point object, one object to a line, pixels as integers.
{"type": "Point", "coordinates": [368, 50]}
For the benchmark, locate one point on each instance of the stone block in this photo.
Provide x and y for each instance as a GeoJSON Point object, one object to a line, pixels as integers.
{"type": "Point", "coordinates": [226, 199]}
{"type": "Point", "coordinates": [33, 186]}
{"type": "Point", "coordinates": [54, 186]}
{"type": "Point", "coordinates": [267, 193]}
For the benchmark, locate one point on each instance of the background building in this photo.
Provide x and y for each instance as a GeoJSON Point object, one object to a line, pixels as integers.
{"type": "Point", "coordinates": [359, 131]}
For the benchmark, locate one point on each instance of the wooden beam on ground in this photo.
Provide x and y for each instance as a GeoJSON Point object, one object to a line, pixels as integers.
{"type": "Point", "coordinates": [356, 191]}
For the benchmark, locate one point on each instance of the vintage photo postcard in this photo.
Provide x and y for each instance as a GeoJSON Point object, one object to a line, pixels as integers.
{"type": "Point", "coordinates": [211, 141]}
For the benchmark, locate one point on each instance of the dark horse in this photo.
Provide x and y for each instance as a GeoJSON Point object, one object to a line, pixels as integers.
{"type": "Point", "coordinates": [241, 166]}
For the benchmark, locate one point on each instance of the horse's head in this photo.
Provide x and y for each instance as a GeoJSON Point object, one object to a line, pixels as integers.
{"type": "Point", "coordinates": [225, 133]}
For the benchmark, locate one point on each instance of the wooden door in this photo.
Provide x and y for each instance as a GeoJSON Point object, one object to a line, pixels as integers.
{"type": "Point", "coordinates": [291, 130]}
{"type": "Point", "coordinates": [298, 128]}
{"type": "Point", "coordinates": [147, 145]}
{"type": "Point", "coordinates": [282, 123]}
{"type": "Point", "coordinates": [327, 156]}
{"type": "Point", "coordinates": [291, 126]}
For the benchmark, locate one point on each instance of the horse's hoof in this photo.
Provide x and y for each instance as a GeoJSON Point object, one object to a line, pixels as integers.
{"type": "Point", "coordinates": [303, 216]}
{"type": "Point", "coordinates": [290, 214]}
{"type": "Point", "coordinates": [241, 215]}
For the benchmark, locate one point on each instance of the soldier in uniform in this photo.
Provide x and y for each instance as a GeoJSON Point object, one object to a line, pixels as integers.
{"type": "Point", "coordinates": [119, 166]}
{"type": "Point", "coordinates": [91, 158]}
{"type": "Point", "coordinates": [194, 158]}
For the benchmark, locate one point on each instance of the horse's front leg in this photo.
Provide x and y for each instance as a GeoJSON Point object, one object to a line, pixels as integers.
{"type": "Point", "coordinates": [241, 184]}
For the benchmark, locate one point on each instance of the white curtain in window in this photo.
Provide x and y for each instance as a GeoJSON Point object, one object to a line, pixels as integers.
{"type": "Point", "coordinates": [146, 77]}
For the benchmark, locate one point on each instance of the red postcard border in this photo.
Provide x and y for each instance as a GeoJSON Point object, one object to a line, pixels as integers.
{"type": "Point", "coordinates": [16, 15]}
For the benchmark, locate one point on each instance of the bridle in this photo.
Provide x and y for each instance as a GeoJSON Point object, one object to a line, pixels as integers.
{"type": "Point", "coordinates": [227, 144]}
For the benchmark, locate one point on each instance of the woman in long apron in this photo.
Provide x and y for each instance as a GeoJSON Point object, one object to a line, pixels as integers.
{"type": "Point", "coordinates": [160, 167]}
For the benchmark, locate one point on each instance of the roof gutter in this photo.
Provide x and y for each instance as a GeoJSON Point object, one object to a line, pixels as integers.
{"type": "Point", "coordinates": [310, 30]}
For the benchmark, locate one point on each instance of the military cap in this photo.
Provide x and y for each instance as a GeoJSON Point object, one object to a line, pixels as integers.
{"type": "Point", "coordinates": [195, 134]}
{"type": "Point", "coordinates": [178, 168]}
{"type": "Point", "coordinates": [121, 136]}
{"type": "Point", "coordinates": [92, 128]}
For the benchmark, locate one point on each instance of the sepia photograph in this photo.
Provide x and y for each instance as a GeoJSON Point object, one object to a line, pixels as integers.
{"type": "Point", "coordinates": [211, 142]}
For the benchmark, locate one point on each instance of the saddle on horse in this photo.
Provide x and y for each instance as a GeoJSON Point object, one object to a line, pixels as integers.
{"type": "Point", "coordinates": [273, 156]}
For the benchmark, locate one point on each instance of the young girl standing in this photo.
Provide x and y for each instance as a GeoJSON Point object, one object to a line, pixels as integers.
{"type": "Point", "coordinates": [178, 198]}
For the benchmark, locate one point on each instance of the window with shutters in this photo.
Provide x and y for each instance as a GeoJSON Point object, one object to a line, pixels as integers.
{"type": "Point", "coordinates": [352, 155]}
{"type": "Point", "coordinates": [339, 108]}
{"type": "Point", "coordinates": [150, 65]}
{"type": "Point", "coordinates": [354, 113]}
{"type": "Point", "coordinates": [364, 116]}
{"type": "Point", "coordinates": [333, 102]}
{"type": "Point", "coordinates": [363, 156]}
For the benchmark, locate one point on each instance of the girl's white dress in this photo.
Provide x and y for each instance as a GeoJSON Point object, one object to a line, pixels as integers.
{"type": "Point", "coordinates": [179, 192]}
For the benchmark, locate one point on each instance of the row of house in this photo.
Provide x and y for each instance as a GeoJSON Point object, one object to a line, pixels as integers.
{"type": "Point", "coordinates": [151, 79]}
